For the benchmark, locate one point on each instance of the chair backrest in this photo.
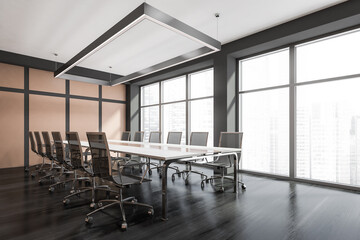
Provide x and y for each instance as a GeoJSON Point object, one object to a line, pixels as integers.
{"type": "Point", "coordinates": [174, 138]}
{"type": "Point", "coordinates": [47, 142]}
{"type": "Point", "coordinates": [139, 136]}
{"type": "Point", "coordinates": [231, 139]}
{"type": "Point", "coordinates": [199, 138]}
{"type": "Point", "coordinates": [100, 154]}
{"type": "Point", "coordinates": [155, 137]}
{"type": "Point", "coordinates": [32, 143]}
{"type": "Point", "coordinates": [125, 136]}
{"type": "Point", "coordinates": [39, 143]}
{"type": "Point", "coordinates": [59, 146]}
{"type": "Point", "coordinates": [75, 149]}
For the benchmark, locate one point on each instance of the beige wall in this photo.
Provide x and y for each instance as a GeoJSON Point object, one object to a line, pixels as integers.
{"type": "Point", "coordinates": [45, 114]}
{"type": "Point", "coordinates": [84, 117]}
{"type": "Point", "coordinates": [44, 81]}
{"type": "Point", "coordinates": [11, 76]}
{"type": "Point", "coordinates": [48, 113]}
{"type": "Point", "coordinates": [12, 129]}
{"type": "Point", "coordinates": [84, 89]}
{"type": "Point", "coordinates": [117, 92]}
{"type": "Point", "coordinates": [113, 119]}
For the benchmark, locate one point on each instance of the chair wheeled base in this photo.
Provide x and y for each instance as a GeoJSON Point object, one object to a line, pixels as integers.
{"type": "Point", "coordinates": [93, 189]}
{"type": "Point", "coordinates": [222, 189]}
{"type": "Point", "coordinates": [121, 202]}
{"type": "Point", "coordinates": [158, 168]}
{"type": "Point", "coordinates": [187, 172]}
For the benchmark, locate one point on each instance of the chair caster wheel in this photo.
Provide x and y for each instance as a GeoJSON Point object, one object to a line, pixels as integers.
{"type": "Point", "coordinates": [93, 205]}
{"type": "Point", "coordinates": [124, 226]}
{"type": "Point", "coordinates": [222, 189]}
{"type": "Point", "coordinates": [66, 201]}
{"type": "Point", "coordinates": [202, 185]}
{"type": "Point", "coordinates": [186, 182]}
{"type": "Point", "coordinates": [89, 220]}
{"type": "Point", "coordinates": [173, 178]}
{"type": "Point", "coordinates": [150, 172]}
{"type": "Point", "coordinates": [40, 182]}
{"type": "Point", "coordinates": [151, 212]}
{"type": "Point", "coordinates": [243, 186]}
{"type": "Point", "coordinates": [51, 189]}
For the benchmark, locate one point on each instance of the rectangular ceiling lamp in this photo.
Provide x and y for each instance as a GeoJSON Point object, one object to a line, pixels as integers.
{"type": "Point", "coordinates": [144, 11]}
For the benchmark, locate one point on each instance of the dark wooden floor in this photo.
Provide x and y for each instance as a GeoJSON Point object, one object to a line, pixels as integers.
{"type": "Point", "coordinates": [268, 209]}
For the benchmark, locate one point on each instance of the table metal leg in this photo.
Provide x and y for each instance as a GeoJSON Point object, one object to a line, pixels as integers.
{"type": "Point", "coordinates": [164, 191]}
{"type": "Point", "coordinates": [236, 167]}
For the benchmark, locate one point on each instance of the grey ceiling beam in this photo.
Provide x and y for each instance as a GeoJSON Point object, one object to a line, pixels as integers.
{"type": "Point", "coordinates": [145, 11]}
{"type": "Point", "coordinates": [85, 79]}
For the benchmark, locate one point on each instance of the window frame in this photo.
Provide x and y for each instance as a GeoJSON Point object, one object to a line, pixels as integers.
{"type": "Point", "coordinates": [293, 84]}
{"type": "Point", "coordinates": [187, 101]}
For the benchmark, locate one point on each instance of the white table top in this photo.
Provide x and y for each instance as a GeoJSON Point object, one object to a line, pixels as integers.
{"type": "Point", "coordinates": [162, 151]}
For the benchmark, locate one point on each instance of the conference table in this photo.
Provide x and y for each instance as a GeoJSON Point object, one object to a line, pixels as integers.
{"type": "Point", "coordinates": [171, 153]}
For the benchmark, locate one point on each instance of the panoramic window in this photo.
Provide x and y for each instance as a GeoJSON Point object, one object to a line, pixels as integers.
{"type": "Point", "coordinates": [186, 105]}
{"type": "Point", "coordinates": [264, 114]}
{"type": "Point", "coordinates": [328, 113]}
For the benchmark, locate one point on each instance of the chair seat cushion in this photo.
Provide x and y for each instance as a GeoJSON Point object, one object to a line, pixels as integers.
{"type": "Point", "coordinates": [126, 180]}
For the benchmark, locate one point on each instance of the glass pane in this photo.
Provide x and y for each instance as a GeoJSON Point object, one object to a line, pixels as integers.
{"type": "Point", "coordinates": [328, 131]}
{"type": "Point", "coordinates": [202, 84]}
{"type": "Point", "coordinates": [150, 94]}
{"type": "Point", "coordinates": [264, 71]}
{"type": "Point", "coordinates": [265, 124]}
{"type": "Point", "coordinates": [149, 120]}
{"type": "Point", "coordinates": [202, 117]}
{"type": "Point", "coordinates": [174, 119]}
{"type": "Point", "coordinates": [174, 89]}
{"type": "Point", "coordinates": [332, 57]}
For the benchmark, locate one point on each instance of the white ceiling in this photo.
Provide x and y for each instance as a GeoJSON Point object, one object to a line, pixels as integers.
{"type": "Point", "coordinates": [40, 28]}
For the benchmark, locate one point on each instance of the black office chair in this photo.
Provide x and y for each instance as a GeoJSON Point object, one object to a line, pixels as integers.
{"type": "Point", "coordinates": [77, 163]}
{"type": "Point", "coordinates": [40, 145]}
{"type": "Point", "coordinates": [227, 140]}
{"type": "Point", "coordinates": [139, 136]}
{"type": "Point", "coordinates": [101, 161]}
{"type": "Point", "coordinates": [155, 137]}
{"type": "Point", "coordinates": [55, 164]}
{"type": "Point", "coordinates": [61, 160]}
{"type": "Point", "coordinates": [196, 139]}
{"type": "Point", "coordinates": [125, 136]}
{"type": "Point", "coordinates": [39, 168]}
{"type": "Point", "coordinates": [173, 138]}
